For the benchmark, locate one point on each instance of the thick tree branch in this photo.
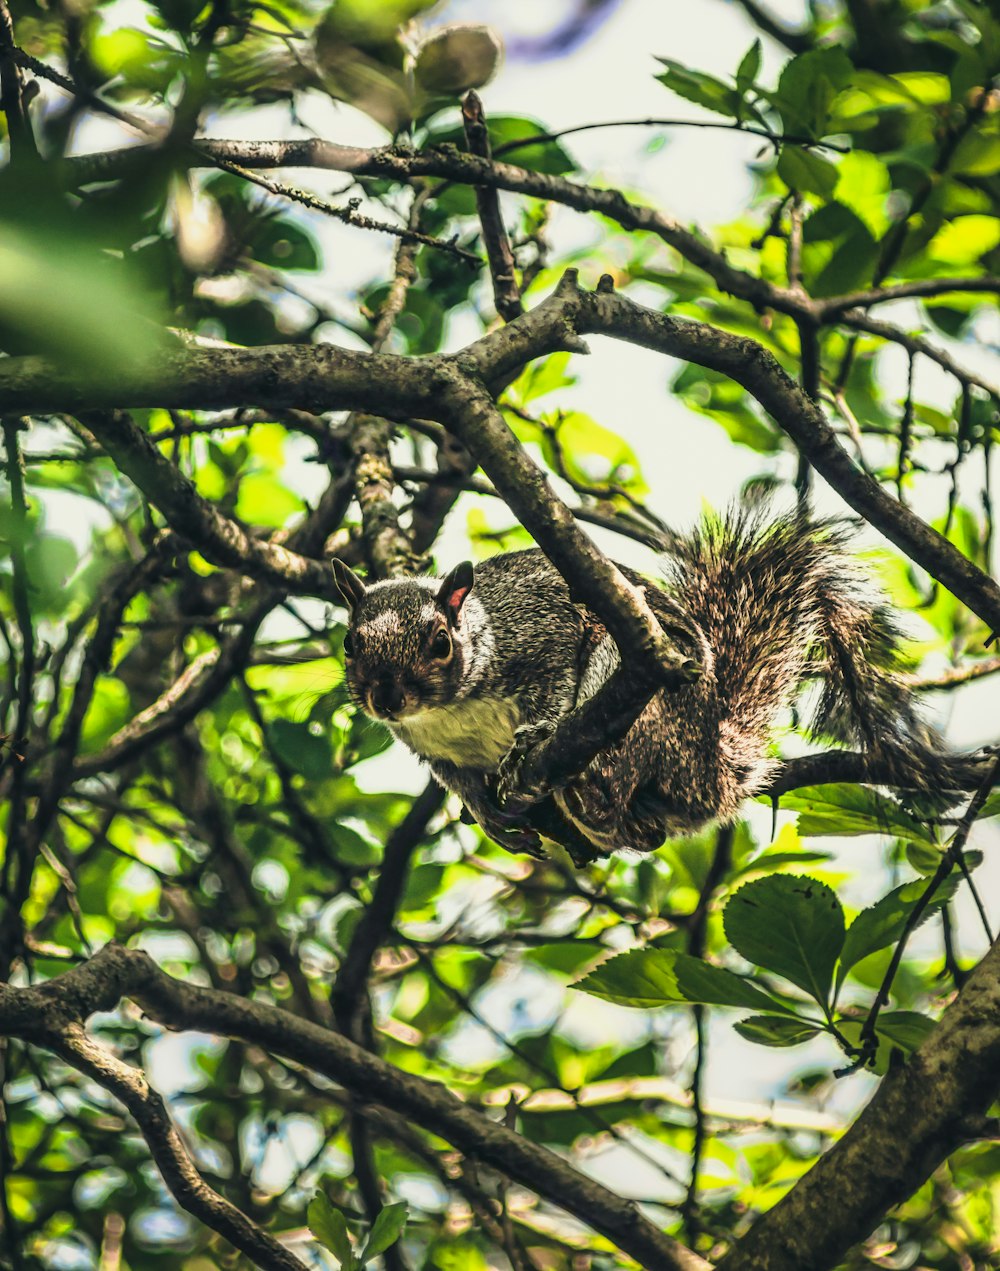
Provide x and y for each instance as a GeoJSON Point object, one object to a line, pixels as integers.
{"type": "Point", "coordinates": [749, 364]}
{"type": "Point", "coordinates": [477, 170]}
{"type": "Point", "coordinates": [397, 164]}
{"type": "Point", "coordinates": [43, 1015]}
{"type": "Point", "coordinates": [316, 377]}
{"type": "Point", "coordinates": [965, 772]}
{"type": "Point", "coordinates": [471, 414]}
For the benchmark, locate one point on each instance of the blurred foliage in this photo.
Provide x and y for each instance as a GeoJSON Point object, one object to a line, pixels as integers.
{"type": "Point", "coordinates": [242, 847]}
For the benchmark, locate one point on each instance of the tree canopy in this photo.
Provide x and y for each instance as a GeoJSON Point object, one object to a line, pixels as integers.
{"type": "Point", "coordinates": [264, 1002]}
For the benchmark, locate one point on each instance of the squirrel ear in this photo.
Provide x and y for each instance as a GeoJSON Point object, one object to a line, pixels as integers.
{"type": "Point", "coordinates": [454, 589]}
{"type": "Point", "coordinates": [350, 586]}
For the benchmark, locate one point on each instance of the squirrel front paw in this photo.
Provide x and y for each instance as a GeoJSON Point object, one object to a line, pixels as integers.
{"type": "Point", "coordinates": [509, 832]}
{"type": "Point", "coordinates": [512, 792]}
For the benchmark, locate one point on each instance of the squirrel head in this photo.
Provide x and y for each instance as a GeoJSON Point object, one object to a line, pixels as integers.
{"type": "Point", "coordinates": [407, 646]}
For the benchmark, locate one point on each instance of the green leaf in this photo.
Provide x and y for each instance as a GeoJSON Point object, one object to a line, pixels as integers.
{"type": "Point", "coordinates": [807, 87]}
{"type": "Point", "coordinates": [109, 710]}
{"type": "Point", "coordinates": [791, 925]}
{"type": "Point", "coordinates": [50, 561]}
{"type": "Point", "coordinates": [864, 185]}
{"type": "Point", "coordinates": [907, 1029]}
{"type": "Point", "coordinates": [776, 1030]}
{"type": "Point", "coordinates": [882, 923]}
{"type": "Point", "coordinates": [306, 752]}
{"type": "Point", "coordinates": [366, 739]}
{"type": "Point", "coordinates": [802, 170]}
{"type": "Point", "coordinates": [349, 846]}
{"type": "Point", "coordinates": [749, 67]}
{"type": "Point", "coordinates": [964, 240]}
{"type": "Point", "coordinates": [540, 156]}
{"type": "Point", "coordinates": [844, 809]}
{"type": "Point", "coordinates": [976, 155]}
{"type": "Point", "coordinates": [851, 265]}
{"type": "Point", "coordinates": [902, 1030]}
{"type": "Point", "coordinates": [264, 500]}
{"type": "Point", "coordinates": [716, 395]}
{"type": "Point", "coordinates": [296, 688]}
{"type": "Point", "coordinates": [564, 958]}
{"type": "Point", "coordinates": [282, 245]}
{"type": "Point", "coordinates": [329, 1226]}
{"type": "Point", "coordinates": [695, 86]}
{"type": "Point", "coordinates": [96, 321]}
{"type": "Point", "coordinates": [663, 977]}
{"type": "Point", "coordinates": [990, 808]}
{"type": "Point", "coordinates": [386, 1230]}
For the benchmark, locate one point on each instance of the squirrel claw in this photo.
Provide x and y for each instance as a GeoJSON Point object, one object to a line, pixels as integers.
{"type": "Point", "coordinates": [512, 794]}
{"type": "Point", "coordinates": [519, 840]}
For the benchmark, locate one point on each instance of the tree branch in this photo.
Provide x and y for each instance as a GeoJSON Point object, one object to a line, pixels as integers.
{"type": "Point", "coordinates": [918, 287]}
{"type": "Point", "coordinates": [172, 1158]}
{"type": "Point", "coordinates": [469, 169]}
{"type": "Point", "coordinates": [859, 321]}
{"type": "Point", "coordinates": [43, 1015]}
{"type": "Point", "coordinates": [506, 296]}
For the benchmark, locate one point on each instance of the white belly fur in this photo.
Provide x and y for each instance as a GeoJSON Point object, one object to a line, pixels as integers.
{"type": "Point", "coordinates": [474, 733]}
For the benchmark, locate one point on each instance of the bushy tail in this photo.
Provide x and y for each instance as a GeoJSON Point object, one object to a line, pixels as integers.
{"type": "Point", "coordinates": [780, 600]}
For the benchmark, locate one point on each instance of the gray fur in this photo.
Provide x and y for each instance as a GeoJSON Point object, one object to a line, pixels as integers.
{"type": "Point", "coordinates": [768, 603]}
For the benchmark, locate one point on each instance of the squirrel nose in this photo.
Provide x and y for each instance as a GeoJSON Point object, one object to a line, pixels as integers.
{"type": "Point", "coordinates": [388, 698]}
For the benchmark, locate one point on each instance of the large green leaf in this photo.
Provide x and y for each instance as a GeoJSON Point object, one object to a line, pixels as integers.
{"type": "Point", "coordinates": [663, 977]}
{"type": "Point", "coordinates": [306, 751]}
{"type": "Point", "coordinates": [791, 925]}
{"type": "Point", "coordinates": [843, 809]}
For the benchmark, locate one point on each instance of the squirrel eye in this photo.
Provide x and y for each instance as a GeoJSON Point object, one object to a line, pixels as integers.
{"type": "Point", "coordinates": [348, 646]}
{"type": "Point", "coordinates": [441, 645]}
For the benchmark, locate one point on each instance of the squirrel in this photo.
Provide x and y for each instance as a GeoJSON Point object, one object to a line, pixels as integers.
{"type": "Point", "coordinates": [472, 669]}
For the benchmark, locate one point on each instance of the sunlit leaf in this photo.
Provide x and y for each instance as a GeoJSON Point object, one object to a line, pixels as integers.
{"type": "Point", "coordinates": [791, 925]}
{"type": "Point", "coordinates": [660, 977]}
